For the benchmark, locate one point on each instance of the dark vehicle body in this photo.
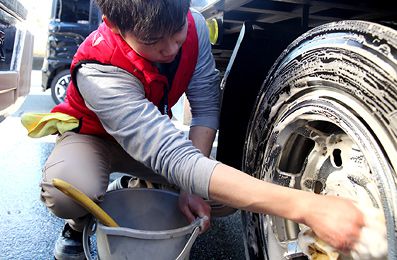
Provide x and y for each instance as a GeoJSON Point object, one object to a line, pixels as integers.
{"type": "Point", "coordinates": [269, 27]}
{"type": "Point", "coordinates": [288, 66]}
{"type": "Point", "coordinates": [16, 51]}
{"type": "Point", "coordinates": [71, 22]}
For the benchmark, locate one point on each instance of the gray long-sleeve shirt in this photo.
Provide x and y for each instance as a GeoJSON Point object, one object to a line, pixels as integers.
{"type": "Point", "coordinates": [118, 99]}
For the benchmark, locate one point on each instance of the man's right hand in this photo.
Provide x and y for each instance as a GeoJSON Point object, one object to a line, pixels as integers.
{"type": "Point", "coordinates": [335, 220]}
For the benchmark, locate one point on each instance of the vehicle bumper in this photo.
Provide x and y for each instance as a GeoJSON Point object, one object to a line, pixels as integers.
{"type": "Point", "coordinates": [45, 75]}
{"type": "Point", "coordinates": [49, 69]}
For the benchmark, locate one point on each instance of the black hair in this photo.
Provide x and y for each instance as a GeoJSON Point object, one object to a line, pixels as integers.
{"type": "Point", "coordinates": [146, 19]}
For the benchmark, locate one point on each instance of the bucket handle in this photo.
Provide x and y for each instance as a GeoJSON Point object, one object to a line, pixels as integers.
{"type": "Point", "coordinates": [90, 227]}
{"type": "Point", "coordinates": [186, 250]}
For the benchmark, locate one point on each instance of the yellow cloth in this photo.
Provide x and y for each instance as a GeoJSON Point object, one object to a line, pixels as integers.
{"type": "Point", "coordinates": [43, 124]}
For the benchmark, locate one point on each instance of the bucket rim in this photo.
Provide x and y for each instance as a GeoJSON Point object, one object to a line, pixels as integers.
{"type": "Point", "coordinates": [173, 193]}
{"type": "Point", "coordinates": [148, 234]}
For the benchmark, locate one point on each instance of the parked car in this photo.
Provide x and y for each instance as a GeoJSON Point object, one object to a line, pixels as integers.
{"type": "Point", "coordinates": [16, 55]}
{"type": "Point", "coordinates": [71, 22]}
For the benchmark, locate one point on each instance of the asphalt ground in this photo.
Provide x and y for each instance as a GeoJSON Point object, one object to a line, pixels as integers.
{"type": "Point", "coordinates": [28, 230]}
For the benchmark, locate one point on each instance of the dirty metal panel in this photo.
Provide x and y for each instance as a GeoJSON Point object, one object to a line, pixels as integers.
{"type": "Point", "coordinates": [14, 8]}
{"type": "Point", "coordinates": [218, 7]}
{"type": "Point", "coordinates": [305, 12]}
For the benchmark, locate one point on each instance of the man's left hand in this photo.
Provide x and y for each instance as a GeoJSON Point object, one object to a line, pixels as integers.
{"type": "Point", "coordinates": [193, 206]}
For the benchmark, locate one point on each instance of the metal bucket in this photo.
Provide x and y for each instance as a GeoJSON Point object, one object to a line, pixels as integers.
{"type": "Point", "coordinates": [151, 227]}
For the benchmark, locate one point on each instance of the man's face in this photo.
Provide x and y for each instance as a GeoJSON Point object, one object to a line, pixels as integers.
{"type": "Point", "coordinates": [160, 50]}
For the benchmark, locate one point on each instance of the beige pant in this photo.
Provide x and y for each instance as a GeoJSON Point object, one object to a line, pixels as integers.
{"type": "Point", "coordinates": [86, 162]}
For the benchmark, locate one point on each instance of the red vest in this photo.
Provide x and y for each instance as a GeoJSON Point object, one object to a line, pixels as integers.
{"type": "Point", "coordinates": [105, 47]}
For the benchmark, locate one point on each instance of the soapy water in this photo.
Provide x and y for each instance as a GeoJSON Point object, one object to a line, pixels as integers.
{"type": "Point", "coordinates": [354, 180]}
{"type": "Point", "coordinates": [373, 241]}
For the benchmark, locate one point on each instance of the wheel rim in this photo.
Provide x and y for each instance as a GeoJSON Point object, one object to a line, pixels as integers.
{"type": "Point", "coordinates": [315, 135]}
{"type": "Point", "coordinates": [60, 87]}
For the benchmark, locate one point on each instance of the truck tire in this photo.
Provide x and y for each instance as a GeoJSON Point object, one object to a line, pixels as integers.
{"type": "Point", "coordinates": [328, 104]}
{"type": "Point", "coordinates": [59, 84]}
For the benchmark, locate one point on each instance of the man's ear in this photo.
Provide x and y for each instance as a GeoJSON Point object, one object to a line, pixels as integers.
{"type": "Point", "coordinates": [111, 25]}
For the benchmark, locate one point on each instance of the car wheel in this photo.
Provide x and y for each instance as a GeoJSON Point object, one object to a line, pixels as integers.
{"type": "Point", "coordinates": [59, 85]}
{"type": "Point", "coordinates": [328, 104]}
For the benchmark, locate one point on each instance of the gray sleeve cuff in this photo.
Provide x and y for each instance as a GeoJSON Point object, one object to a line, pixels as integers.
{"type": "Point", "coordinates": [206, 167]}
{"type": "Point", "coordinates": [209, 121]}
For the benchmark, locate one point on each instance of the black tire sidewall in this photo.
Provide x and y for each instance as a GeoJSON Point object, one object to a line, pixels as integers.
{"type": "Point", "coordinates": [281, 80]}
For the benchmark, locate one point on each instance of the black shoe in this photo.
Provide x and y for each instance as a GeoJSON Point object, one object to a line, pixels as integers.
{"type": "Point", "coordinates": [69, 245]}
{"type": "Point", "coordinates": [128, 181]}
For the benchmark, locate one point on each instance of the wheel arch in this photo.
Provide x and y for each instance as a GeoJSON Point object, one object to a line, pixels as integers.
{"type": "Point", "coordinates": [254, 53]}
{"type": "Point", "coordinates": [54, 72]}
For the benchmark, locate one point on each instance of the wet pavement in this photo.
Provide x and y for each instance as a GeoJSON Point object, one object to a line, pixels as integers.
{"type": "Point", "coordinates": [28, 230]}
